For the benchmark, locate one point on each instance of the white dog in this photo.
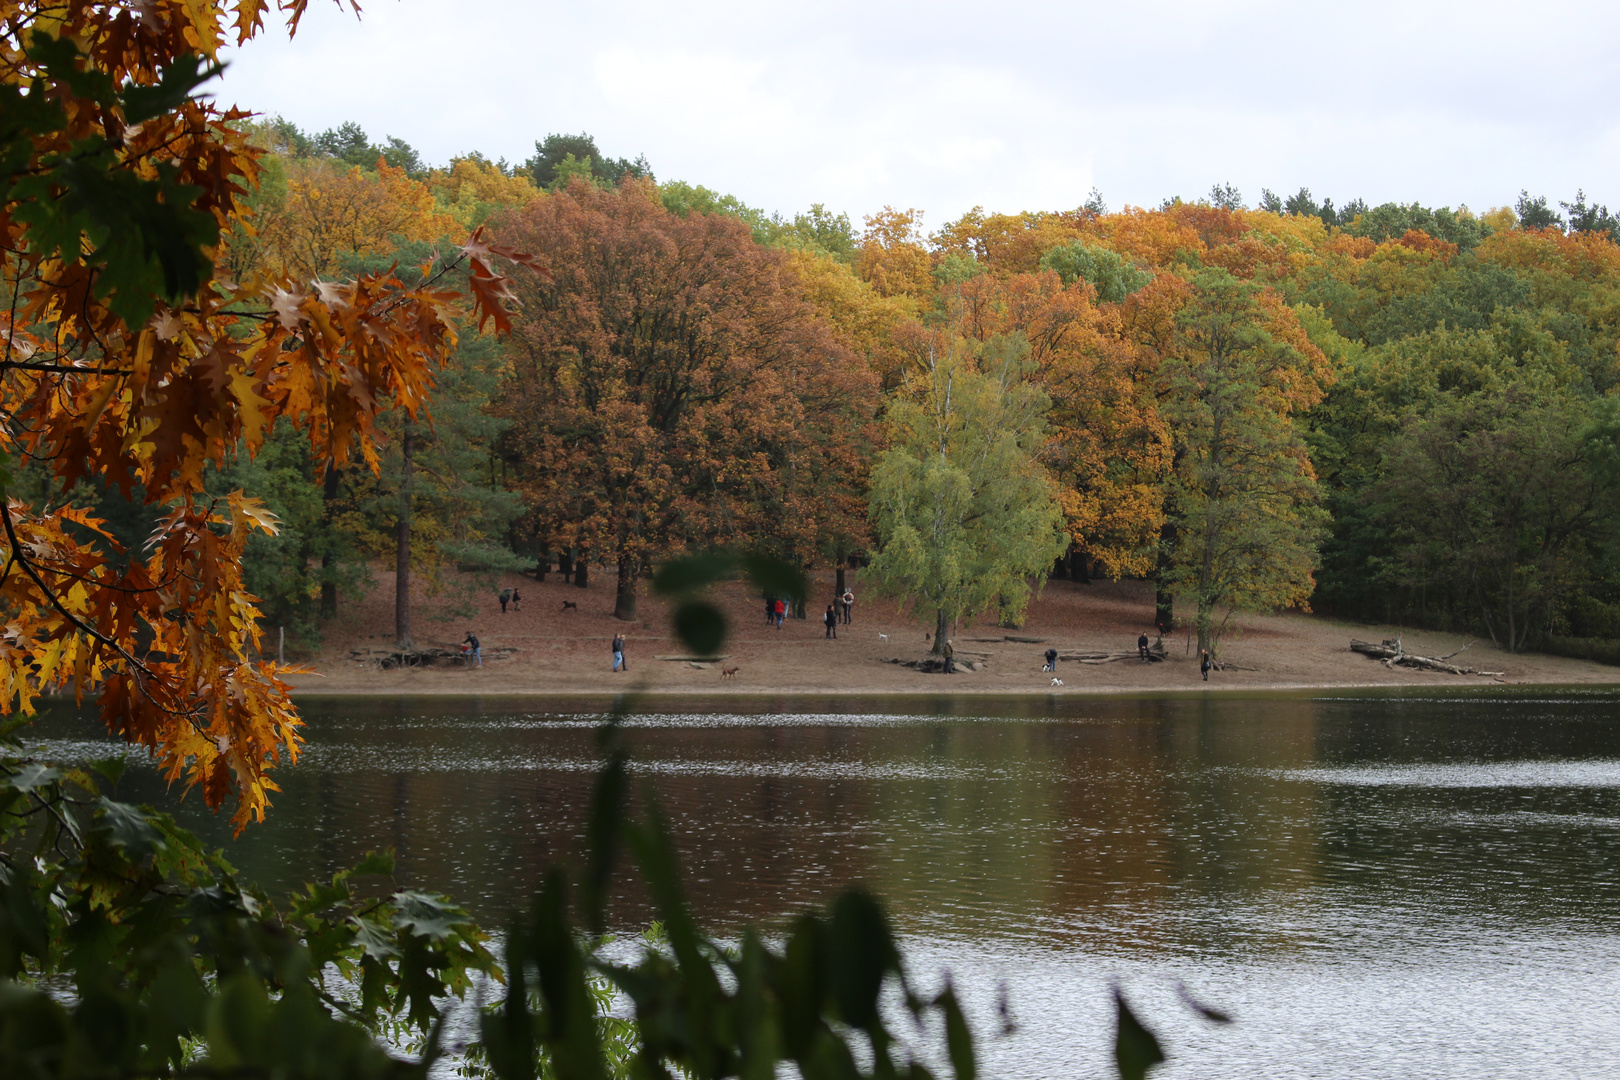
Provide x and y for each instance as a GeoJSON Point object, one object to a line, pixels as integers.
{"type": "Point", "coordinates": [1057, 682]}
{"type": "Point", "coordinates": [883, 637]}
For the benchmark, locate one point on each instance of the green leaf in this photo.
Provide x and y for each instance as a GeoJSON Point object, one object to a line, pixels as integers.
{"type": "Point", "coordinates": [958, 1036]}
{"type": "Point", "coordinates": [109, 769]}
{"type": "Point", "coordinates": [380, 863]}
{"type": "Point", "coordinates": [701, 626]}
{"type": "Point", "coordinates": [693, 572]}
{"type": "Point", "coordinates": [775, 576]}
{"type": "Point", "coordinates": [861, 953]}
{"type": "Point", "coordinates": [379, 943]}
{"type": "Point", "coordinates": [129, 828]}
{"type": "Point", "coordinates": [141, 103]}
{"type": "Point", "coordinates": [425, 915]}
{"type": "Point", "coordinates": [31, 776]}
{"type": "Point", "coordinates": [603, 831]}
{"type": "Point", "coordinates": [1136, 1049]}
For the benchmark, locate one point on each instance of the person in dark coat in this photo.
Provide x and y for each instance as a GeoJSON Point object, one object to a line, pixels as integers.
{"type": "Point", "coordinates": [506, 596]}
{"type": "Point", "coordinates": [1204, 664]}
{"type": "Point", "coordinates": [1051, 660]}
{"type": "Point", "coordinates": [1142, 647]}
{"type": "Point", "coordinates": [618, 653]}
{"type": "Point", "coordinates": [831, 619]}
{"type": "Point", "coordinates": [950, 658]}
{"type": "Point", "coordinates": [473, 649]}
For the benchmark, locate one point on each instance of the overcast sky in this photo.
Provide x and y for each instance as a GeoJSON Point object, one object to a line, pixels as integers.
{"type": "Point", "coordinates": [1019, 105]}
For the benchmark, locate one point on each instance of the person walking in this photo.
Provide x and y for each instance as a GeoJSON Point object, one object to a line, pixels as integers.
{"type": "Point", "coordinates": [831, 620]}
{"type": "Point", "coordinates": [506, 597]}
{"type": "Point", "coordinates": [848, 600]}
{"type": "Point", "coordinates": [779, 608]}
{"type": "Point", "coordinates": [1205, 663]}
{"type": "Point", "coordinates": [950, 658]}
{"type": "Point", "coordinates": [1051, 660]}
{"type": "Point", "coordinates": [472, 648]}
{"type": "Point", "coordinates": [770, 610]}
{"type": "Point", "coordinates": [618, 653]}
{"type": "Point", "coordinates": [517, 601]}
{"type": "Point", "coordinates": [1142, 647]}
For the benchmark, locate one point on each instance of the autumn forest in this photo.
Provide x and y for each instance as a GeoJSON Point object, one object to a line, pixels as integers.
{"type": "Point", "coordinates": [1388, 412]}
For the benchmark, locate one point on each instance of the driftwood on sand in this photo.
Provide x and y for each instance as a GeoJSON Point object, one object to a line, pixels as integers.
{"type": "Point", "coordinates": [1155, 654]}
{"type": "Point", "coordinates": [1393, 653]}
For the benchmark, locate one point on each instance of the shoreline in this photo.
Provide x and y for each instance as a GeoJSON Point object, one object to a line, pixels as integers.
{"type": "Point", "coordinates": [1290, 689]}
{"type": "Point", "coordinates": [556, 647]}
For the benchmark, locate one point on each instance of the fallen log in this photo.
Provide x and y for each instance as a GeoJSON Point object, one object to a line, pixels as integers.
{"type": "Point", "coordinates": [1392, 652]}
{"type": "Point", "coordinates": [1155, 654]}
{"type": "Point", "coordinates": [684, 659]}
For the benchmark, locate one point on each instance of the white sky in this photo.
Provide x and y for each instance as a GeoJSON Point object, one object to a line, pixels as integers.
{"type": "Point", "coordinates": [1020, 105]}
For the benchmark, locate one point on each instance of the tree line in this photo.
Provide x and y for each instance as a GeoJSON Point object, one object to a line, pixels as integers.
{"type": "Point", "coordinates": [1393, 412]}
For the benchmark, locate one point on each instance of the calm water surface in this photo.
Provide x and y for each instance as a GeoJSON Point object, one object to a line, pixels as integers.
{"type": "Point", "coordinates": [1373, 885]}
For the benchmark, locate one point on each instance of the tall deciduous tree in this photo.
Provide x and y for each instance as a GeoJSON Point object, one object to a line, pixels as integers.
{"type": "Point", "coordinates": [965, 515]}
{"type": "Point", "coordinates": [672, 386]}
{"type": "Point", "coordinates": [1244, 499]}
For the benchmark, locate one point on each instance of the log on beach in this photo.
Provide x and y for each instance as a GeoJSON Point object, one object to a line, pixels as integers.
{"type": "Point", "coordinates": [1392, 652]}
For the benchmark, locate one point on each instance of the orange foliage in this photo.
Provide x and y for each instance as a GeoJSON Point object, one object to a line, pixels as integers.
{"type": "Point", "coordinates": [1152, 237]}
{"type": "Point", "coordinates": [673, 387]}
{"type": "Point", "coordinates": [168, 640]}
{"type": "Point", "coordinates": [1007, 243]}
{"type": "Point", "coordinates": [1418, 240]}
{"type": "Point", "coordinates": [1584, 256]}
{"type": "Point", "coordinates": [893, 258]}
{"type": "Point", "coordinates": [1109, 452]}
{"type": "Point", "coordinates": [331, 209]}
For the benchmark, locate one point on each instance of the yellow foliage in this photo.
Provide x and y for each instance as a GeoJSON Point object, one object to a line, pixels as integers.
{"type": "Point", "coordinates": [893, 258]}
{"type": "Point", "coordinates": [472, 188]}
{"type": "Point", "coordinates": [330, 209]}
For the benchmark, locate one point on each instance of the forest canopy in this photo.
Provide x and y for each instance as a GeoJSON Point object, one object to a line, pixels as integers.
{"type": "Point", "coordinates": [699, 371]}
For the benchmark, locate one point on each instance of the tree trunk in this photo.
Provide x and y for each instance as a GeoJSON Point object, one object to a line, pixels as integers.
{"type": "Point", "coordinates": [942, 626]}
{"type": "Point", "coordinates": [1206, 625]}
{"type": "Point", "coordinates": [1081, 563]}
{"type": "Point", "coordinates": [624, 599]}
{"type": "Point", "coordinates": [542, 565]}
{"type": "Point", "coordinates": [565, 565]}
{"type": "Point", "coordinates": [402, 554]}
{"type": "Point", "coordinates": [839, 587]}
{"type": "Point", "coordinates": [582, 576]}
{"type": "Point", "coordinates": [329, 597]}
{"type": "Point", "coordinates": [1060, 568]}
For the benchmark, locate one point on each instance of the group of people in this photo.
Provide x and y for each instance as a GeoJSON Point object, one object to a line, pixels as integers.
{"type": "Point", "coordinates": [839, 611]}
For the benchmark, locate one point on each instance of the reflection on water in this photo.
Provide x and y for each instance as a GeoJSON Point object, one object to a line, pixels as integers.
{"type": "Point", "coordinates": [1375, 885]}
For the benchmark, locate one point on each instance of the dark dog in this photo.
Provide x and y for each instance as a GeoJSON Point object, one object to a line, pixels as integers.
{"type": "Point", "coordinates": [569, 605]}
{"type": "Point", "coordinates": [728, 672]}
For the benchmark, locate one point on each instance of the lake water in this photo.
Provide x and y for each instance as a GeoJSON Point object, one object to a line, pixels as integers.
{"type": "Point", "coordinates": [1373, 885]}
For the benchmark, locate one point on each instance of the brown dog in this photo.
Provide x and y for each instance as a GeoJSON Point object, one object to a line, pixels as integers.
{"type": "Point", "coordinates": [569, 605]}
{"type": "Point", "coordinates": [728, 672]}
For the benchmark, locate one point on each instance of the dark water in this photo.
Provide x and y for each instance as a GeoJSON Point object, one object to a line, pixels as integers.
{"type": "Point", "coordinates": [1374, 885]}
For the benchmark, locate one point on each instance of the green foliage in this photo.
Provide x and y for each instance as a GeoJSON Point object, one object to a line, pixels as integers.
{"type": "Point", "coordinates": [965, 515]}
{"type": "Point", "coordinates": [1391, 221]}
{"type": "Point", "coordinates": [1491, 499]}
{"type": "Point", "coordinates": [127, 950]}
{"type": "Point", "coordinates": [817, 229]}
{"type": "Point", "coordinates": [143, 235]}
{"type": "Point", "coordinates": [1243, 500]}
{"type": "Point", "coordinates": [558, 157]}
{"type": "Point", "coordinates": [1112, 275]}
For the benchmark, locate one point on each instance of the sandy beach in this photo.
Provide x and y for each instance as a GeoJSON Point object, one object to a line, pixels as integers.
{"type": "Point", "coordinates": [544, 648]}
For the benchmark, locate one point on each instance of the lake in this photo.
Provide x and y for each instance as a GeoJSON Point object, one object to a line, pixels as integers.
{"type": "Point", "coordinates": [1373, 884]}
